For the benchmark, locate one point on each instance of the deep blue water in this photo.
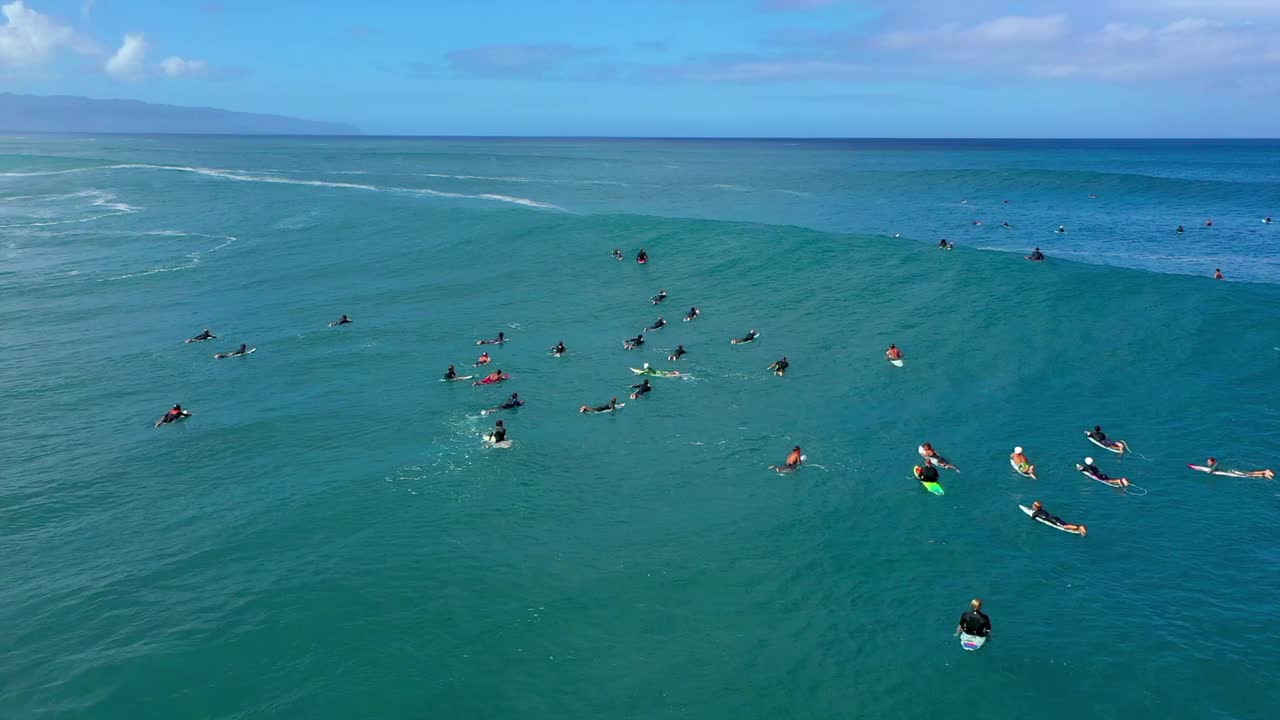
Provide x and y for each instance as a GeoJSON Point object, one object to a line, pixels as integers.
{"type": "Point", "coordinates": [327, 538]}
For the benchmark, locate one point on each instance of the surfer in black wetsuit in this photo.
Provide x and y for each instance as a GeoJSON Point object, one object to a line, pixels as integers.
{"type": "Point", "coordinates": [642, 256]}
{"type": "Point", "coordinates": [928, 473]}
{"type": "Point", "coordinates": [693, 313]}
{"type": "Point", "coordinates": [502, 338]}
{"type": "Point", "coordinates": [662, 295]}
{"type": "Point", "coordinates": [641, 389]}
{"type": "Point", "coordinates": [1180, 230]}
{"type": "Point", "coordinates": [499, 433]}
{"type": "Point", "coordinates": [174, 414]}
{"type": "Point", "coordinates": [1089, 467]}
{"type": "Point", "coordinates": [974, 621]}
{"type": "Point", "coordinates": [512, 402]}
{"type": "Point", "coordinates": [450, 373]}
{"type": "Point", "coordinates": [1039, 513]}
{"type": "Point", "coordinates": [204, 335]}
{"type": "Point", "coordinates": [657, 325]}
{"type": "Point", "coordinates": [679, 353]}
{"type": "Point", "coordinates": [749, 337]}
{"type": "Point", "coordinates": [617, 254]}
{"type": "Point", "coordinates": [634, 342]}
{"type": "Point", "coordinates": [242, 350]}
{"type": "Point", "coordinates": [559, 349]}
{"type": "Point", "coordinates": [1006, 225]}
{"type": "Point", "coordinates": [780, 367]}
{"type": "Point", "coordinates": [1061, 229]}
{"type": "Point", "coordinates": [344, 320]}
{"type": "Point", "coordinates": [607, 407]}
{"type": "Point", "coordinates": [1036, 255]}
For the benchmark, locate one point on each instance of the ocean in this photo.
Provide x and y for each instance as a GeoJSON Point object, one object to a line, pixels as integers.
{"type": "Point", "coordinates": [326, 536]}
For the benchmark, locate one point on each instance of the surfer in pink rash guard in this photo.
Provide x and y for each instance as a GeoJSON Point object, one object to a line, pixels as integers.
{"type": "Point", "coordinates": [1212, 464]}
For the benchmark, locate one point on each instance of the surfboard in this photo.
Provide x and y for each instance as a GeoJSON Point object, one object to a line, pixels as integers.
{"type": "Point", "coordinates": [972, 642]}
{"type": "Point", "coordinates": [1031, 513]}
{"type": "Point", "coordinates": [589, 411]}
{"type": "Point", "coordinates": [785, 469]}
{"type": "Point", "coordinates": [1091, 476]}
{"type": "Point", "coordinates": [656, 373]}
{"type": "Point", "coordinates": [932, 487]}
{"type": "Point", "coordinates": [455, 379]}
{"type": "Point", "coordinates": [695, 317]}
{"type": "Point", "coordinates": [1224, 473]}
{"type": "Point", "coordinates": [896, 363]}
{"type": "Point", "coordinates": [504, 445]}
{"type": "Point", "coordinates": [1014, 465]}
{"type": "Point", "coordinates": [1118, 448]}
{"type": "Point", "coordinates": [194, 340]}
{"type": "Point", "coordinates": [224, 356]}
{"type": "Point", "coordinates": [742, 341]}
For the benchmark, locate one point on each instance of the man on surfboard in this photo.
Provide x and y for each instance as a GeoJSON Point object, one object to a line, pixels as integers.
{"type": "Point", "coordinates": [693, 313]}
{"type": "Point", "coordinates": [1020, 462]}
{"type": "Point", "coordinates": [974, 621]}
{"type": "Point", "coordinates": [1036, 255]}
{"type": "Point", "coordinates": [1039, 513]}
{"type": "Point", "coordinates": [633, 343]}
{"type": "Point", "coordinates": [204, 335]}
{"type": "Point", "coordinates": [794, 460]}
{"type": "Point", "coordinates": [607, 407]}
{"type": "Point", "coordinates": [657, 325]}
{"type": "Point", "coordinates": [893, 353]}
{"type": "Point", "coordinates": [749, 337]}
{"type": "Point", "coordinates": [450, 373]}
{"type": "Point", "coordinates": [559, 349]}
{"type": "Point", "coordinates": [174, 414]}
{"type": "Point", "coordinates": [344, 320]}
{"type": "Point", "coordinates": [932, 457]}
{"type": "Point", "coordinates": [1089, 467]}
{"type": "Point", "coordinates": [484, 359]}
{"type": "Point", "coordinates": [679, 353]}
{"type": "Point", "coordinates": [1100, 438]}
{"type": "Point", "coordinates": [779, 368]}
{"type": "Point", "coordinates": [502, 338]}
{"type": "Point", "coordinates": [498, 434]}
{"type": "Point", "coordinates": [643, 388]}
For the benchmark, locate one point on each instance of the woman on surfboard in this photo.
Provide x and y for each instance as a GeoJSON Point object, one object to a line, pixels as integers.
{"type": "Point", "coordinates": [932, 457]}
{"type": "Point", "coordinates": [1091, 469]}
{"type": "Point", "coordinates": [1212, 465]}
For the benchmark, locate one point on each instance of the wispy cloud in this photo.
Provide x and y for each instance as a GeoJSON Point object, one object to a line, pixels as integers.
{"type": "Point", "coordinates": [176, 67]}
{"type": "Point", "coordinates": [1007, 30]}
{"type": "Point", "coordinates": [519, 61]}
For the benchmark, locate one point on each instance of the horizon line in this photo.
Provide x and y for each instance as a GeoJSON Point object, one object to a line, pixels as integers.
{"type": "Point", "coordinates": [704, 138]}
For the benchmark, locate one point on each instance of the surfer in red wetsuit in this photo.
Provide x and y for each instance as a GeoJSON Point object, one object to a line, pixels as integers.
{"type": "Point", "coordinates": [893, 353]}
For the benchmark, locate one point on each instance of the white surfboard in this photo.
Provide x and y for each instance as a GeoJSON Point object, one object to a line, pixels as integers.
{"type": "Point", "coordinates": [896, 363]}
{"type": "Point", "coordinates": [1119, 448]}
{"type": "Point", "coordinates": [224, 356]}
{"type": "Point", "coordinates": [972, 642]}
{"type": "Point", "coordinates": [1014, 465]}
{"type": "Point", "coordinates": [1031, 513]}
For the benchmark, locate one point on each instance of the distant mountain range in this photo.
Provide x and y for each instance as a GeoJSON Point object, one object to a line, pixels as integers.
{"type": "Point", "coordinates": [63, 113]}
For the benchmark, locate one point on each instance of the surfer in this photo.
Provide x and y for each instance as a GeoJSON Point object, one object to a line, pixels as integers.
{"type": "Point", "coordinates": [642, 257]}
{"type": "Point", "coordinates": [641, 389]}
{"type": "Point", "coordinates": [928, 473]}
{"type": "Point", "coordinates": [1020, 462]}
{"type": "Point", "coordinates": [1036, 255]}
{"type": "Point", "coordinates": [679, 353]}
{"type": "Point", "coordinates": [498, 434]}
{"type": "Point", "coordinates": [1100, 437]}
{"type": "Point", "coordinates": [493, 377]}
{"type": "Point", "coordinates": [496, 341]}
{"type": "Point", "coordinates": [795, 459]}
{"type": "Point", "coordinates": [607, 407]}
{"type": "Point", "coordinates": [942, 244]}
{"type": "Point", "coordinates": [1061, 229]}
{"type": "Point", "coordinates": [693, 313]}
{"type": "Point", "coordinates": [450, 374]}
{"type": "Point", "coordinates": [977, 223]}
{"type": "Point", "coordinates": [1181, 230]}
{"type": "Point", "coordinates": [617, 254]}
{"type": "Point", "coordinates": [657, 325]}
{"type": "Point", "coordinates": [174, 414]}
{"type": "Point", "coordinates": [634, 342]}
{"type": "Point", "coordinates": [1217, 274]}
{"type": "Point", "coordinates": [512, 402]}
{"type": "Point", "coordinates": [1039, 513]}
{"type": "Point", "coordinates": [893, 353]}
{"type": "Point", "coordinates": [559, 349]}
{"type": "Point", "coordinates": [484, 359]}
{"type": "Point", "coordinates": [204, 335]}
{"type": "Point", "coordinates": [1267, 219]}
{"type": "Point", "coordinates": [932, 457]}
{"type": "Point", "coordinates": [974, 621]}
{"type": "Point", "coordinates": [1093, 470]}
{"type": "Point", "coordinates": [780, 367]}
{"type": "Point", "coordinates": [662, 295]}
{"type": "Point", "coordinates": [1212, 464]}
{"type": "Point", "coordinates": [344, 320]}
{"type": "Point", "coordinates": [1006, 225]}
{"type": "Point", "coordinates": [749, 337]}
{"type": "Point", "coordinates": [242, 350]}
{"type": "Point", "coordinates": [1208, 223]}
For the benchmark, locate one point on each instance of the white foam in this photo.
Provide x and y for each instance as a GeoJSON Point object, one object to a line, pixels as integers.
{"type": "Point", "coordinates": [100, 199]}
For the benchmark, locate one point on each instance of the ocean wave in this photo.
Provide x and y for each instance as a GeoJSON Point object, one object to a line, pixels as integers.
{"type": "Point", "coordinates": [519, 179]}
{"type": "Point", "coordinates": [193, 258]}
{"type": "Point", "coordinates": [101, 199]}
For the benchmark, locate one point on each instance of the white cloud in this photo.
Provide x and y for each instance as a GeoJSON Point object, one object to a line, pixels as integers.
{"type": "Point", "coordinates": [176, 67]}
{"type": "Point", "coordinates": [28, 38]}
{"type": "Point", "coordinates": [1007, 30]}
{"type": "Point", "coordinates": [126, 63]}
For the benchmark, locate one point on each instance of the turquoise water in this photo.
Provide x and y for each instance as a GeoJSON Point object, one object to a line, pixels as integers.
{"type": "Point", "coordinates": [326, 537]}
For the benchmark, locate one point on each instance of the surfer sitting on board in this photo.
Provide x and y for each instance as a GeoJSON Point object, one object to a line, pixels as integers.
{"type": "Point", "coordinates": [1039, 513]}
{"type": "Point", "coordinates": [679, 353]}
{"type": "Point", "coordinates": [642, 256]}
{"type": "Point", "coordinates": [1212, 464]}
{"type": "Point", "coordinates": [496, 341]}
{"type": "Point", "coordinates": [1181, 230]}
{"type": "Point", "coordinates": [1101, 438]}
{"type": "Point", "coordinates": [749, 337]}
{"type": "Point", "coordinates": [1020, 461]}
{"type": "Point", "coordinates": [175, 413]}
{"type": "Point", "coordinates": [641, 389]}
{"type": "Point", "coordinates": [974, 621]}
{"type": "Point", "coordinates": [608, 407]}
{"type": "Point", "coordinates": [1093, 470]}
{"type": "Point", "coordinates": [344, 320]}
{"type": "Point", "coordinates": [559, 349]}
{"type": "Point", "coordinates": [634, 342]}
{"type": "Point", "coordinates": [498, 434]}
{"type": "Point", "coordinates": [204, 335]}
{"type": "Point", "coordinates": [1036, 254]}
{"type": "Point", "coordinates": [780, 367]}
{"type": "Point", "coordinates": [928, 474]}
{"type": "Point", "coordinates": [617, 254]}
{"type": "Point", "coordinates": [657, 325]}
{"type": "Point", "coordinates": [893, 353]}
{"type": "Point", "coordinates": [484, 359]}
{"type": "Point", "coordinates": [450, 373]}
{"type": "Point", "coordinates": [693, 313]}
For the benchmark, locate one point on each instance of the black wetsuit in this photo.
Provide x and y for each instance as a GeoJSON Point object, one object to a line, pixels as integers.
{"type": "Point", "coordinates": [1100, 437]}
{"type": "Point", "coordinates": [499, 434]}
{"type": "Point", "coordinates": [658, 298]}
{"type": "Point", "coordinates": [559, 349]}
{"type": "Point", "coordinates": [1043, 514]}
{"type": "Point", "coordinates": [642, 388]}
{"type": "Point", "coordinates": [781, 366]}
{"type": "Point", "coordinates": [928, 473]}
{"type": "Point", "coordinates": [636, 341]}
{"type": "Point", "coordinates": [679, 353]}
{"type": "Point", "coordinates": [1037, 255]}
{"type": "Point", "coordinates": [750, 336]}
{"type": "Point", "coordinates": [693, 313]}
{"type": "Point", "coordinates": [204, 336]}
{"type": "Point", "coordinates": [658, 325]}
{"type": "Point", "coordinates": [450, 374]}
{"type": "Point", "coordinates": [1093, 470]}
{"type": "Point", "coordinates": [975, 622]}
{"type": "Point", "coordinates": [605, 408]}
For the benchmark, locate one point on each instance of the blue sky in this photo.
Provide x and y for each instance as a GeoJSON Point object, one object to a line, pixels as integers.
{"type": "Point", "coordinates": [899, 68]}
